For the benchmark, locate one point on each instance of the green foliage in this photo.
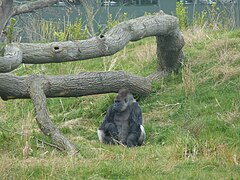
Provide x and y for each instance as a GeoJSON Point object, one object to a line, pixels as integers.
{"type": "Point", "coordinates": [182, 15]}
{"type": "Point", "coordinates": [2, 47]}
{"type": "Point", "coordinates": [113, 22]}
{"type": "Point", "coordinates": [212, 17]}
{"type": "Point", "coordinates": [48, 31]}
{"type": "Point", "coordinates": [218, 18]}
{"type": "Point", "coordinates": [10, 30]}
{"type": "Point", "coordinates": [200, 18]}
{"type": "Point", "coordinates": [72, 31]}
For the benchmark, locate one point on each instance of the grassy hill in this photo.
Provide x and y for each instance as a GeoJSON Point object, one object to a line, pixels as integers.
{"type": "Point", "coordinates": [192, 119]}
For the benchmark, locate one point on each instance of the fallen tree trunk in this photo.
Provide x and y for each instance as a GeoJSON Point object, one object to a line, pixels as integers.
{"type": "Point", "coordinates": [163, 26]}
{"type": "Point", "coordinates": [15, 87]}
{"type": "Point", "coordinates": [38, 87]}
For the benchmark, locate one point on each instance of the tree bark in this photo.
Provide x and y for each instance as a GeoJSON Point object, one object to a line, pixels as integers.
{"type": "Point", "coordinates": [31, 6]}
{"type": "Point", "coordinates": [5, 13]}
{"type": "Point", "coordinates": [169, 51]}
{"type": "Point", "coordinates": [11, 60]}
{"type": "Point", "coordinates": [13, 87]}
{"type": "Point", "coordinates": [36, 91]}
{"type": "Point", "coordinates": [165, 27]}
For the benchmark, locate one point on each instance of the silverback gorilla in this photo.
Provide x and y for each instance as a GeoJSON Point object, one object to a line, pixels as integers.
{"type": "Point", "coordinates": [123, 123]}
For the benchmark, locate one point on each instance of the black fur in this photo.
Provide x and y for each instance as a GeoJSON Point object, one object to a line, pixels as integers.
{"type": "Point", "coordinates": [123, 123]}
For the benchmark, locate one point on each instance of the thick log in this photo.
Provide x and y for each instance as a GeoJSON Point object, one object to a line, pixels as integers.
{"type": "Point", "coordinates": [102, 45]}
{"type": "Point", "coordinates": [36, 91]}
{"type": "Point", "coordinates": [13, 87]}
{"type": "Point", "coordinates": [169, 51]}
{"type": "Point", "coordinates": [164, 26]}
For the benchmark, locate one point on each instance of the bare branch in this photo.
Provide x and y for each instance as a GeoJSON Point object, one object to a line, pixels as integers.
{"type": "Point", "coordinates": [5, 13]}
{"type": "Point", "coordinates": [103, 45]}
{"type": "Point", "coordinates": [36, 91]}
{"type": "Point", "coordinates": [31, 6]}
{"type": "Point", "coordinates": [163, 26]}
{"type": "Point", "coordinates": [7, 10]}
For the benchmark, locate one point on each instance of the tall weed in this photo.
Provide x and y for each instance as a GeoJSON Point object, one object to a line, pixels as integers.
{"type": "Point", "coordinates": [182, 15]}
{"type": "Point", "coordinates": [72, 31]}
{"type": "Point", "coordinates": [212, 17]}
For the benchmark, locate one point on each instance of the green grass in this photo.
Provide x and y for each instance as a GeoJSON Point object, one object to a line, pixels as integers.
{"type": "Point", "coordinates": [192, 119]}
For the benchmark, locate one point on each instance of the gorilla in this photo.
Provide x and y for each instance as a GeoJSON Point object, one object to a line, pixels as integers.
{"type": "Point", "coordinates": [123, 123]}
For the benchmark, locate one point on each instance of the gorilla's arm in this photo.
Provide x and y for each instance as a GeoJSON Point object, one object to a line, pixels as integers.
{"type": "Point", "coordinates": [137, 114]}
{"type": "Point", "coordinates": [108, 118]}
{"type": "Point", "coordinates": [137, 133]}
{"type": "Point", "coordinates": [108, 130]}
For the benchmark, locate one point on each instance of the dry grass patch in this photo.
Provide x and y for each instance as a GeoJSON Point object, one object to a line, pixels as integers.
{"type": "Point", "coordinates": [194, 35]}
{"type": "Point", "coordinates": [226, 59]}
{"type": "Point", "coordinates": [145, 53]}
{"type": "Point", "coordinates": [222, 54]}
{"type": "Point", "coordinates": [231, 117]}
{"type": "Point", "coordinates": [188, 78]}
{"type": "Point", "coordinates": [224, 73]}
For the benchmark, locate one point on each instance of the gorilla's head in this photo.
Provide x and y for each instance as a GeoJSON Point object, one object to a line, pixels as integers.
{"type": "Point", "coordinates": [123, 100]}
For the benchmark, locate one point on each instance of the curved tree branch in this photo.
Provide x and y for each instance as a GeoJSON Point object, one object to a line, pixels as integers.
{"type": "Point", "coordinates": [11, 60]}
{"type": "Point", "coordinates": [5, 13]}
{"type": "Point", "coordinates": [39, 87]}
{"type": "Point", "coordinates": [44, 121]}
{"type": "Point", "coordinates": [102, 45]}
{"type": "Point", "coordinates": [163, 26]}
{"type": "Point", "coordinates": [7, 10]}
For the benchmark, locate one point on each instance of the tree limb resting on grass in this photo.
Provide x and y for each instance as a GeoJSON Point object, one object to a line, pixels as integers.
{"type": "Point", "coordinates": [36, 91]}
{"type": "Point", "coordinates": [88, 83]}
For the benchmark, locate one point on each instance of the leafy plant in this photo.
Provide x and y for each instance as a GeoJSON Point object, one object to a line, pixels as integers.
{"type": "Point", "coordinates": [113, 22]}
{"type": "Point", "coordinates": [182, 15]}
{"type": "Point", "coordinates": [199, 18]}
{"type": "Point", "coordinates": [10, 30]}
{"type": "Point", "coordinates": [72, 31]}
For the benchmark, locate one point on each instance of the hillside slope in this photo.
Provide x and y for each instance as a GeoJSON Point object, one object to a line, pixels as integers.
{"type": "Point", "coordinates": [192, 119]}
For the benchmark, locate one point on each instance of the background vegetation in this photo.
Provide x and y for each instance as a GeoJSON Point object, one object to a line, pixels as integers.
{"type": "Point", "coordinates": [191, 118]}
